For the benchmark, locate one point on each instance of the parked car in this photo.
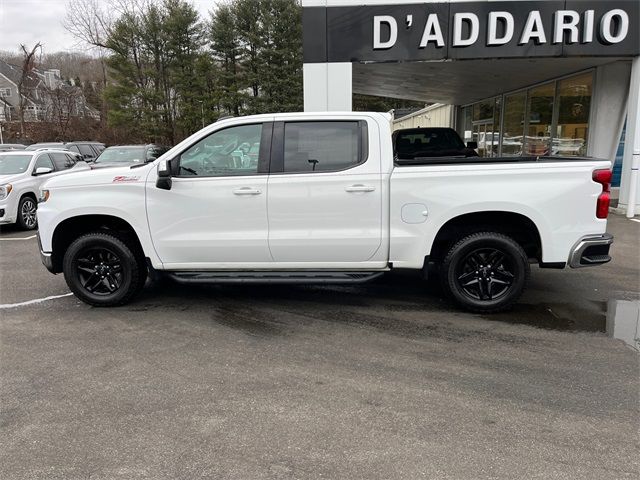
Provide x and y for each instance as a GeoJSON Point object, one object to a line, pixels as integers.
{"type": "Point", "coordinates": [88, 150]}
{"type": "Point", "coordinates": [325, 202]}
{"type": "Point", "coordinates": [488, 143]}
{"type": "Point", "coordinates": [9, 147]}
{"type": "Point", "coordinates": [21, 174]}
{"type": "Point", "coordinates": [129, 155]}
{"type": "Point", "coordinates": [420, 143]}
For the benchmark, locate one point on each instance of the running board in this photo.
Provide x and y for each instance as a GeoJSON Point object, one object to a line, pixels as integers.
{"type": "Point", "coordinates": [307, 277]}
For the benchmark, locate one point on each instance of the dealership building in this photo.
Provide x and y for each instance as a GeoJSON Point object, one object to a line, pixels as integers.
{"type": "Point", "coordinates": [529, 77]}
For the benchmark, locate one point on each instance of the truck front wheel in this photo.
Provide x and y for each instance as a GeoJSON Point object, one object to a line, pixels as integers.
{"type": "Point", "coordinates": [485, 272]}
{"type": "Point", "coordinates": [102, 269]}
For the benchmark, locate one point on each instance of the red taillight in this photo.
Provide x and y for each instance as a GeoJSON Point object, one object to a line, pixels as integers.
{"type": "Point", "coordinates": [602, 207]}
{"type": "Point", "coordinates": [603, 177]}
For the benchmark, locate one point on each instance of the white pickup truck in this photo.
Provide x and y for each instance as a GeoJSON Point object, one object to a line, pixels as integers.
{"type": "Point", "coordinates": [321, 198]}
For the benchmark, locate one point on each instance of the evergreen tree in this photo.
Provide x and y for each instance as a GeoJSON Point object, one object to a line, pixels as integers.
{"type": "Point", "coordinates": [226, 50]}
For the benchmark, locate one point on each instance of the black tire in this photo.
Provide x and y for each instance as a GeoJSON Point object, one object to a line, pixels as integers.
{"type": "Point", "coordinates": [485, 272]}
{"type": "Point", "coordinates": [26, 218]}
{"type": "Point", "coordinates": [104, 269]}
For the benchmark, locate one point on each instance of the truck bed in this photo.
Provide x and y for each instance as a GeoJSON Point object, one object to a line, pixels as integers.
{"type": "Point", "coordinates": [487, 160]}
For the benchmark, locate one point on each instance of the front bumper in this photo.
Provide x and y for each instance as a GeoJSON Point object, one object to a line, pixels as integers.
{"type": "Point", "coordinates": [45, 257]}
{"type": "Point", "coordinates": [591, 250]}
{"type": "Point", "coordinates": [5, 216]}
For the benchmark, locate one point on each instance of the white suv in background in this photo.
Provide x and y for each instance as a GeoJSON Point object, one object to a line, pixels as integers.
{"type": "Point", "coordinates": [21, 174]}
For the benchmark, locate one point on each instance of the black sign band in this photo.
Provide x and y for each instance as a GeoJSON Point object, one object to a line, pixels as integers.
{"type": "Point", "coordinates": [465, 30]}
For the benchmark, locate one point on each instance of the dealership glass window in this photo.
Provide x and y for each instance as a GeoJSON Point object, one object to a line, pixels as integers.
{"type": "Point", "coordinates": [540, 117]}
{"type": "Point", "coordinates": [513, 126]}
{"type": "Point", "coordinates": [574, 105]}
{"type": "Point", "coordinates": [484, 132]}
{"type": "Point", "coordinates": [483, 110]}
{"type": "Point", "coordinates": [548, 119]}
{"type": "Point", "coordinates": [465, 129]}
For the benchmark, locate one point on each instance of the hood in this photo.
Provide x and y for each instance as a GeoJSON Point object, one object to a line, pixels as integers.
{"type": "Point", "coordinates": [95, 165]}
{"type": "Point", "coordinates": [10, 178]}
{"type": "Point", "coordinates": [100, 176]}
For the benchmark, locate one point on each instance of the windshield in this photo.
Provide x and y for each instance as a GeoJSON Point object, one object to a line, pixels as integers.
{"type": "Point", "coordinates": [122, 154]}
{"type": "Point", "coordinates": [13, 164]}
{"type": "Point", "coordinates": [36, 146]}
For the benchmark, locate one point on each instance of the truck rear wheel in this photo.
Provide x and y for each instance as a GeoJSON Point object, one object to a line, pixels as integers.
{"type": "Point", "coordinates": [103, 270]}
{"type": "Point", "coordinates": [485, 272]}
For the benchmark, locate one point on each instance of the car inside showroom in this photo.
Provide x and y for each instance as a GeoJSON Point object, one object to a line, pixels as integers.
{"type": "Point", "coordinates": [519, 78]}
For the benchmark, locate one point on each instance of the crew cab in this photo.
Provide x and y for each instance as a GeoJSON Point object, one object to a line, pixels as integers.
{"type": "Point", "coordinates": [321, 198]}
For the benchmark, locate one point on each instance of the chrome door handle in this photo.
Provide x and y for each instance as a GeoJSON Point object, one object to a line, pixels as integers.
{"type": "Point", "coordinates": [360, 188]}
{"type": "Point", "coordinates": [247, 191]}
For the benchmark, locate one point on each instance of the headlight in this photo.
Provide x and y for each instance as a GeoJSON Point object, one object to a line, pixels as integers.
{"type": "Point", "coordinates": [44, 196]}
{"type": "Point", "coordinates": [5, 190]}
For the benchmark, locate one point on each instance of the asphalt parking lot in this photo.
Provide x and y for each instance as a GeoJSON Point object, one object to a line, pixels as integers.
{"type": "Point", "coordinates": [384, 380]}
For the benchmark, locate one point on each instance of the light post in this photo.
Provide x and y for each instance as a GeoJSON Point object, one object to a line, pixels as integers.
{"type": "Point", "coordinates": [201, 102]}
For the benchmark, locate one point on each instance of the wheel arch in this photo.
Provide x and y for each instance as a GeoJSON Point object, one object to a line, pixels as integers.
{"type": "Point", "coordinates": [515, 225]}
{"type": "Point", "coordinates": [73, 227]}
{"type": "Point", "coordinates": [28, 193]}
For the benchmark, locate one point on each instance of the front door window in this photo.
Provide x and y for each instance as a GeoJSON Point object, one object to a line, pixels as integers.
{"type": "Point", "coordinates": [229, 152]}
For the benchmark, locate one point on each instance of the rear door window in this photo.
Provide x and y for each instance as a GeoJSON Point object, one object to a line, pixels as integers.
{"type": "Point", "coordinates": [61, 160]}
{"type": "Point", "coordinates": [322, 146]}
{"type": "Point", "coordinates": [86, 151]}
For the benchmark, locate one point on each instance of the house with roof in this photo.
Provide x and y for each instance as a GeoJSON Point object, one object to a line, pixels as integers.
{"type": "Point", "coordinates": [45, 96]}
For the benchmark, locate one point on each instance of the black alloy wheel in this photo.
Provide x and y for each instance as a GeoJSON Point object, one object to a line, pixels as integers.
{"type": "Point", "coordinates": [99, 270]}
{"type": "Point", "coordinates": [104, 268]}
{"type": "Point", "coordinates": [485, 272]}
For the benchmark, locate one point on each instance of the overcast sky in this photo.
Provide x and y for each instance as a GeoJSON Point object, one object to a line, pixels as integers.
{"type": "Point", "coordinates": [32, 21]}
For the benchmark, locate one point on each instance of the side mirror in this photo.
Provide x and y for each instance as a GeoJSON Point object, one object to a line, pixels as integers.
{"type": "Point", "coordinates": [472, 145]}
{"type": "Point", "coordinates": [164, 175]}
{"type": "Point", "coordinates": [42, 171]}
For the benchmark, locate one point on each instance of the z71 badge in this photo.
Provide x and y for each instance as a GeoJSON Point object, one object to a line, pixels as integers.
{"type": "Point", "coordinates": [125, 178]}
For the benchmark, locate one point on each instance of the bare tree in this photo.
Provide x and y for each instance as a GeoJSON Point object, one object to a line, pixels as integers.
{"type": "Point", "coordinates": [89, 21]}
{"type": "Point", "coordinates": [26, 76]}
{"type": "Point", "coordinates": [63, 102]}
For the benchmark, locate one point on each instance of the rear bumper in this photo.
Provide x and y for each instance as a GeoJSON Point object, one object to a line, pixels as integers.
{"type": "Point", "coordinates": [591, 250]}
{"type": "Point", "coordinates": [45, 257]}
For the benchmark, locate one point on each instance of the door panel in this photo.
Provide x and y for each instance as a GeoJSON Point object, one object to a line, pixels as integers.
{"type": "Point", "coordinates": [215, 213]}
{"type": "Point", "coordinates": [319, 215]}
{"type": "Point", "coordinates": [202, 220]}
{"type": "Point", "coordinates": [313, 218]}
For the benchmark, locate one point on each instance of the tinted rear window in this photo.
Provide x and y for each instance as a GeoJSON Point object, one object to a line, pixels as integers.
{"type": "Point", "coordinates": [427, 141]}
{"type": "Point", "coordinates": [86, 150]}
{"type": "Point", "coordinates": [321, 146]}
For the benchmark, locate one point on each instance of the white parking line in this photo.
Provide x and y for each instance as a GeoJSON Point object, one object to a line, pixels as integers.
{"type": "Point", "coordinates": [634, 220]}
{"type": "Point", "coordinates": [31, 302]}
{"type": "Point", "coordinates": [14, 239]}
